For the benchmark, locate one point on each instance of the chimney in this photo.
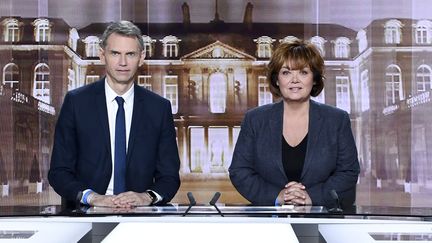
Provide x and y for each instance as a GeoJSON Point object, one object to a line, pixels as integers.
{"type": "Point", "coordinates": [186, 14]}
{"type": "Point", "coordinates": [247, 19]}
{"type": "Point", "coordinates": [216, 19]}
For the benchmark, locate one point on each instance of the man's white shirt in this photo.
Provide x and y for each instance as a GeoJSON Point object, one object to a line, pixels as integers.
{"type": "Point", "coordinates": [112, 108]}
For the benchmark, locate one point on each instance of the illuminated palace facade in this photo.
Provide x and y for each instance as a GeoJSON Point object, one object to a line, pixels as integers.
{"type": "Point", "coordinates": [213, 73]}
{"type": "Point", "coordinates": [32, 61]}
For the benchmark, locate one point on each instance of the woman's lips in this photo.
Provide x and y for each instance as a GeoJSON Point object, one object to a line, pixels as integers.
{"type": "Point", "coordinates": [295, 89]}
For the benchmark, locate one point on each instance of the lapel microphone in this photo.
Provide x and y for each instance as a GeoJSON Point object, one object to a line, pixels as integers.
{"type": "Point", "coordinates": [214, 200]}
{"type": "Point", "coordinates": [335, 197]}
{"type": "Point", "coordinates": [192, 202]}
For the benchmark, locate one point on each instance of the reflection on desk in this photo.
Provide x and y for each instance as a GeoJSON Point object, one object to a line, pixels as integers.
{"type": "Point", "coordinates": [250, 211]}
{"type": "Point", "coordinates": [209, 210]}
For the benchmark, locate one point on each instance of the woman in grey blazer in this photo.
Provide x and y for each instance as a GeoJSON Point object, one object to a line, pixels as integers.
{"type": "Point", "coordinates": [295, 151]}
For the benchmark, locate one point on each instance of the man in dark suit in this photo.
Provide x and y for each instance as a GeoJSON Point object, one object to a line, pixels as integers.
{"type": "Point", "coordinates": [115, 142]}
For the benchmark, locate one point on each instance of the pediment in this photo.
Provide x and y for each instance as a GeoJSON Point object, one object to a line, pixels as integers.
{"type": "Point", "coordinates": [218, 50]}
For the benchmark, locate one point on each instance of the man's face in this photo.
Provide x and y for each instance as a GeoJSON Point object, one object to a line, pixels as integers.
{"type": "Point", "coordinates": [122, 57]}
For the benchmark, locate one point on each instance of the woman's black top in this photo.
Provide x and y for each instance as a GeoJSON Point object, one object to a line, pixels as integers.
{"type": "Point", "coordinates": [293, 158]}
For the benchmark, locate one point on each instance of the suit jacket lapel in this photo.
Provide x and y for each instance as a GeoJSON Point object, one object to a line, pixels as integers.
{"type": "Point", "coordinates": [315, 123]}
{"type": "Point", "coordinates": [276, 123]}
{"type": "Point", "coordinates": [100, 101]}
{"type": "Point", "coordinates": [137, 114]}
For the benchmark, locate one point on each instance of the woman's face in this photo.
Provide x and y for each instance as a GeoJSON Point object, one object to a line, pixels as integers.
{"type": "Point", "coordinates": [295, 84]}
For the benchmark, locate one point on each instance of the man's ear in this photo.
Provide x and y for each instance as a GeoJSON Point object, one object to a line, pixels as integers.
{"type": "Point", "coordinates": [102, 55]}
{"type": "Point", "coordinates": [143, 55]}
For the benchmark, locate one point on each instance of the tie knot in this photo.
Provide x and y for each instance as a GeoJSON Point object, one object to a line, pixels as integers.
{"type": "Point", "coordinates": [120, 101]}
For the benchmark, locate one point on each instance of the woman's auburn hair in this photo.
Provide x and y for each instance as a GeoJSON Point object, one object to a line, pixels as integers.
{"type": "Point", "coordinates": [297, 54]}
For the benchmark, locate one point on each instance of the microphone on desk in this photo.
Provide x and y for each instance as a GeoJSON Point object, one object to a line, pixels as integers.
{"type": "Point", "coordinates": [214, 200]}
{"type": "Point", "coordinates": [192, 202]}
{"type": "Point", "coordinates": [335, 197]}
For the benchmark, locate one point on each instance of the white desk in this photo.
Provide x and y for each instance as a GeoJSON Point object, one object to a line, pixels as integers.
{"type": "Point", "coordinates": [45, 232]}
{"type": "Point", "coordinates": [208, 232]}
{"type": "Point", "coordinates": [310, 225]}
{"type": "Point", "coordinates": [360, 233]}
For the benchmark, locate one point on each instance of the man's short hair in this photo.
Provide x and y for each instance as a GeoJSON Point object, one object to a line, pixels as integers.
{"type": "Point", "coordinates": [124, 28]}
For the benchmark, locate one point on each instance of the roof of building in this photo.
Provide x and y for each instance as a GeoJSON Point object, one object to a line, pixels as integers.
{"type": "Point", "coordinates": [237, 35]}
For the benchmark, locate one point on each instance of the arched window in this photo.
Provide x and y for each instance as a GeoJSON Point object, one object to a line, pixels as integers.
{"type": "Point", "coordinates": [217, 92]}
{"type": "Point", "coordinates": [148, 45]}
{"type": "Point", "coordinates": [288, 39]}
{"type": "Point", "coordinates": [170, 46]}
{"type": "Point", "coordinates": [394, 92]}
{"type": "Point", "coordinates": [264, 46]}
{"type": "Point", "coordinates": [423, 78]}
{"type": "Point", "coordinates": [392, 32]}
{"type": "Point", "coordinates": [423, 32]}
{"type": "Point", "coordinates": [42, 30]}
{"type": "Point", "coordinates": [41, 83]}
{"type": "Point", "coordinates": [341, 47]}
{"type": "Point", "coordinates": [11, 76]}
{"type": "Point", "coordinates": [11, 29]}
{"type": "Point", "coordinates": [92, 46]}
{"type": "Point", "coordinates": [319, 42]}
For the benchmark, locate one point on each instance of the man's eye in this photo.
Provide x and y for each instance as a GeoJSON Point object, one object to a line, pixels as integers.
{"type": "Point", "coordinates": [131, 54]}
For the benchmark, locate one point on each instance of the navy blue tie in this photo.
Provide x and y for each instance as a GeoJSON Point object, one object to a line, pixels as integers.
{"type": "Point", "coordinates": [120, 149]}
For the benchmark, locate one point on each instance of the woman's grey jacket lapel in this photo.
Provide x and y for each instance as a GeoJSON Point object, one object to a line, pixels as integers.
{"type": "Point", "coordinates": [276, 124]}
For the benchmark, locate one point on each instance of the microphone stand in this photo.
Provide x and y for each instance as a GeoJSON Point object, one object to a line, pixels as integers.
{"type": "Point", "coordinates": [192, 203]}
{"type": "Point", "coordinates": [213, 202]}
{"type": "Point", "coordinates": [338, 208]}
